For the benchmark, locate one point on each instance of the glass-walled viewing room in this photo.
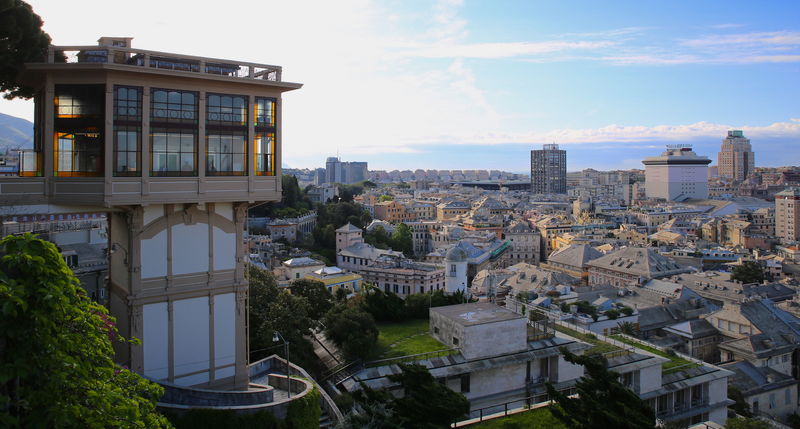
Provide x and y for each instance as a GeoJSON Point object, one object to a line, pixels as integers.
{"type": "Point", "coordinates": [171, 135]}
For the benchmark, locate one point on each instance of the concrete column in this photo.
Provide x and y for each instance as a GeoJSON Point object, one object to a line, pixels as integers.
{"type": "Point", "coordinates": [211, 362]}
{"type": "Point", "coordinates": [241, 377]}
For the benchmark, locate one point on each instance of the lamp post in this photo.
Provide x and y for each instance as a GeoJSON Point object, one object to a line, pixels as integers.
{"type": "Point", "coordinates": [275, 337]}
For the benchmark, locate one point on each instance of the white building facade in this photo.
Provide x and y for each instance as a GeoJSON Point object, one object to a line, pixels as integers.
{"type": "Point", "coordinates": [678, 174]}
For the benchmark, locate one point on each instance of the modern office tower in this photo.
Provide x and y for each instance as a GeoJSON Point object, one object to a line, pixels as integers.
{"type": "Point", "coordinates": [678, 174]}
{"type": "Point", "coordinates": [787, 215]}
{"type": "Point", "coordinates": [319, 176]}
{"type": "Point", "coordinates": [736, 159]}
{"type": "Point", "coordinates": [337, 171]}
{"type": "Point", "coordinates": [549, 170]}
{"type": "Point", "coordinates": [175, 148]}
{"type": "Point", "coordinates": [333, 170]}
{"type": "Point", "coordinates": [355, 171]}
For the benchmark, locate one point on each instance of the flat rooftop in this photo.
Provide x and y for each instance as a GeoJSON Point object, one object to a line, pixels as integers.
{"type": "Point", "coordinates": [476, 313]}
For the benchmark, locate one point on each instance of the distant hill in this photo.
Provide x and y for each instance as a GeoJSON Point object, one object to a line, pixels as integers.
{"type": "Point", "coordinates": [15, 133]}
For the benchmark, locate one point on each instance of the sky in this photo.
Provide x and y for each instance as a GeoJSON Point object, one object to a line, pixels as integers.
{"type": "Point", "coordinates": [451, 84]}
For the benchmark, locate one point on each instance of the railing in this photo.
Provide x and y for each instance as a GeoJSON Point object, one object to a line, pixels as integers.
{"type": "Point", "coordinates": [510, 407]}
{"type": "Point", "coordinates": [541, 329]}
{"type": "Point", "coordinates": [681, 407]}
{"type": "Point", "coordinates": [162, 60]}
{"type": "Point", "coordinates": [412, 358]}
{"type": "Point", "coordinates": [342, 372]}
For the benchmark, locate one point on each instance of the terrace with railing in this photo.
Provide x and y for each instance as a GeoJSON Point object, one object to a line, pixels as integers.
{"type": "Point", "coordinates": [134, 57]}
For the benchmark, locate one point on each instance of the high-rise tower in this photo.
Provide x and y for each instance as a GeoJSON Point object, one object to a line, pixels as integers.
{"type": "Point", "coordinates": [549, 170]}
{"type": "Point", "coordinates": [736, 159]}
{"type": "Point", "coordinates": [787, 215]}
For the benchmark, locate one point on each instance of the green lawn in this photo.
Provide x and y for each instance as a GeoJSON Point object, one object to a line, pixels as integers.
{"type": "Point", "coordinates": [674, 364]}
{"type": "Point", "coordinates": [539, 418]}
{"type": "Point", "coordinates": [409, 338]}
{"type": "Point", "coordinates": [597, 345]}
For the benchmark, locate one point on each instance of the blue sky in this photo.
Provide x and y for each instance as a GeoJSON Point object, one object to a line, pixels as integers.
{"type": "Point", "coordinates": [477, 84]}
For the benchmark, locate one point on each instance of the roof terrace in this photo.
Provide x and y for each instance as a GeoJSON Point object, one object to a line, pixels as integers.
{"type": "Point", "coordinates": [117, 51]}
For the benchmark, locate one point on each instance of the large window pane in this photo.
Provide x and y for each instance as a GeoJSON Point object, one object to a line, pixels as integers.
{"type": "Point", "coordinates": [126, 150]}
{"type": "Point", "coordinates": [78, 130]}
{"type": "Point", "coordinates": [172, 106]}
{"type": "Point", "coordinates": [265, 112]}
{"type": "Point", "coordinates": [265, 154]}
{"type": "Point", "coordinates": [226, 110]}
{"type": "Point", "coordinates": [173, 152]}
{"type": "Point", "coordinates": [226, 154]}
{"type": "Point", "coordinates": [79, 154]}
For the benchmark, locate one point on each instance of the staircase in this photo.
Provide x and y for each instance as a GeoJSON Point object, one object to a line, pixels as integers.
{"type": "Point", "coordinates": [325, 420]}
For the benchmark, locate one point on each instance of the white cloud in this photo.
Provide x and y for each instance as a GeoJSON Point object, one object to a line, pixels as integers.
{"type": "Point", "coordinates": [747, 39]}
{"type": "Point", "coordinates": [624, 134]}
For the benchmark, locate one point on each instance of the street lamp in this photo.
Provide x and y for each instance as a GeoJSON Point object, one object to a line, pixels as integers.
{"type": "Point", "coordinates": [276, 336]}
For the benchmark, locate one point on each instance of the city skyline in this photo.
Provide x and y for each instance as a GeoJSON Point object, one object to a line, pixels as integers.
{"type": "Point", "coordinates": [405, 85]}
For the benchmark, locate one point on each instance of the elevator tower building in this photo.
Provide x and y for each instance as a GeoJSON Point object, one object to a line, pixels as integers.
{"type": "Point", "coordinates": [175, 148]}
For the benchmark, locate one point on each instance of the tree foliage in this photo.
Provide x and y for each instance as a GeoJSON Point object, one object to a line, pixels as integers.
{"type": "Point", "coordinates": [389, 307]}
{"type": "Point", "coordinates": [320, 300]}
{"type": "Point", "coordinates": [402, 240]}
{"type": "Point", "coordinates": [272, 309]}
{"type": "Point", "coordinates": [746, 423]}
{"type": "Point", "coordinates": [352, 329]}
{"type": "Point", "coordinates": [603, 402]}
{"type": "Point", "coordinates": [294, 201]}
{"type": "Point", "coordinates": [56, 354]}
{"type": "Point", "coordinates": [748, 272]}
{"type": "Point", "coordinates": [740, 406]}
{"type": "Point", "coordinates": [424, 404]}
{"type": "Point", "coordinates": [21, 41]}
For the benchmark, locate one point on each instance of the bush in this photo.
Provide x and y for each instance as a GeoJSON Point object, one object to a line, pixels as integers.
{"type": "Point", "coordinates": [201, 418]}
{"type": "Point", "coordinates": [626, 311]}
{"type": "Point", "coordinates": [304, 413]}
{"type": "Point", "coordinates": [344, 401]}
{"type": "Point", "coordinates": [612, 314]}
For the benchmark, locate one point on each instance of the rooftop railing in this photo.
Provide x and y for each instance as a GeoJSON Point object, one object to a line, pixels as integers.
{"type": "Point", "coordinates": [162, 60]}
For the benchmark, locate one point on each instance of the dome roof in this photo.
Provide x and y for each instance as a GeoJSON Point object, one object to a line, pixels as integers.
{"type": "Point", "coordinates": [456, 254]}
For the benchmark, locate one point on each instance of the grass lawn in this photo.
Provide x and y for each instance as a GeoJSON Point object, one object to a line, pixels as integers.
{"type": "Point", "coordinates": [674, 364]}
{"type": "Point", "coordinates": [539, 418]}
{"type": "Point", "coordinates": [409, 338]}
{"type": "Point", "coordinates": [597, 345]}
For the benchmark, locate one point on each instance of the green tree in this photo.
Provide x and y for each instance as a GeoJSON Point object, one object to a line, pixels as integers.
{"type": "Point", "coordinates": [378, 238]}
{"type": "Point", "coordinates": [426, 403]}
{"type": "Point", "coordinates": [794, 421]}
{"type": "Point", "coordinates": [748, 272]}
{"type": "Point", "coordinates": [320, 300]}
{"type": "Point", "coordinates": [629, 328]}
{"type": "Point", "coordinates": [21, 41]}
{"type": "Point", "coordinates": [272, 309]}
{"type": "Point", "coordinates": [385, 197]}
{"type": "Point", "coordinates": [375, 411]}
{"type": "Point", "coordinates": [352, 329]}
{"type": "Point", "coordinates": [56, 354]}
{"type": "Point", "coordinates": [746, 423]}
{"type": "Point", "coordinates": [603, 402]}
{"type": "Point", "coordinates": [402, 240]}
{"type": "Point", "coordinates": [741, 407]}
